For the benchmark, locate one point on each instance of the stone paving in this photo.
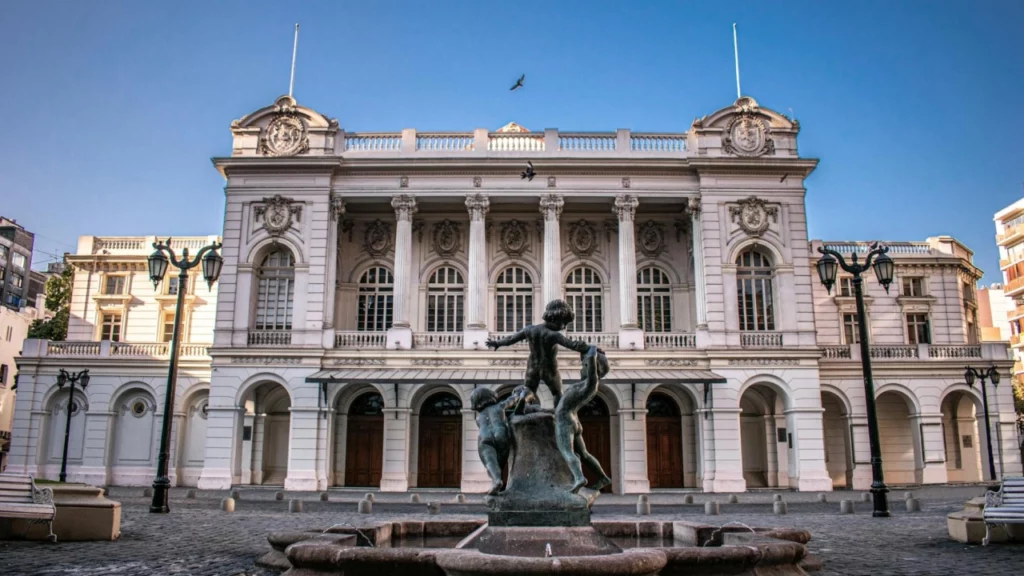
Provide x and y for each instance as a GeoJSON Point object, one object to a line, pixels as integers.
{"type": "Point", "coordinates": [197, 538]}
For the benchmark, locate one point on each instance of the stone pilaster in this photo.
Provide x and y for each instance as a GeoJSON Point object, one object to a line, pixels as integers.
{"type": "Point", "coordinates": [630, 335]}
{"type": "Point", "coordinates": [330, 283]}
{"type": "Point", "coordinates": [400, 334]}
{"type": "Point", "coordinates": [700, 286]}
{"type": "Point", "coordinates": [551, 207]}
{"type": "Point", "coordinates": [476, 311]}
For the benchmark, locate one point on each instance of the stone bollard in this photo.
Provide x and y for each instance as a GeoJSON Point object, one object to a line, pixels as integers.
{"type": "Point", "coordinates": [865, 497]}
{"type": "Point", "coordinates": [227, 504]}
{"type": "Point", "coordinates": [433, 507]}
{"type": "Point", "coordinates": [777, 498]}
{"type": "Point", "coordinates": [913, 505]}
{"type": "Point", "coordinates": [733, 499]}
{"type": "Point", "coordinates": [235, 495]}
{"type": "Point", "coordinates": [147, 492]}
{"type": "Point", "coordinates": [460, 498]}
{"type": "Point", "coordinates": [278, 496]}
{"type": "Point", "coordinates": [191, 494]}
{"type": "Point", "coordinates": [908, 495]}
{"type": "Point", "coordinates": [369, 496]}
{"type": "Point", "coordinates": [688, 499]}
{"type": "Point", "coordinates": [711, 508]}
{"type": "Point", "coordinates": [365, 507]}
{"type": "Point", "coordinates": [846, 506]}
{"type": "Point", "coordinates": [295, 505]}
{"type": "Point", "coordinates": [414, 498]}
{"type": "Point", "coordinates": [325, 497]}
{"type": "Point", "coordinates": [779, 507]}
{"type": "Point", "coordinates": [822, 498]}
{"type": "Point", "coordinates": [643, 506]}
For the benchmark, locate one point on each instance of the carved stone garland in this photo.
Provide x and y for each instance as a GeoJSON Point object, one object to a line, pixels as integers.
{"type": "Point", "coordinates": [447, 238]}
{"type": "Point", "coordinates": [582, 239]}
{"type": "Point", "coordinates": [278, 213]}
{"type": "Point", "coordinates": [753, 215]}
{"type": "Point", "coordinates": [377, 238]}
{"type": "Point", "coordinates": [513, 237]}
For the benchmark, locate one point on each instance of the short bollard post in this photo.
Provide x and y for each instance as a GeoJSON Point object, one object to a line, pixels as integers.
{"type": "Point", "coordinates": [846, 506]}
{"type": "Point", "coordinates": [777, 498]}
{"type": "Point", "coordinates": [913, 505]}
{"type": "Point", "coordinates": [460, 498]}
{"type": "Point", "coordinates": [779, 507]}
{"type": "Point", "coordinates": [865, 497]}
{"type": "Point", "coordinates": [324, 497]}
{"type": "Point", "coordinates": [688, 499]}
{"type": "Point", "coordinates": [733, 499]}
{"type": "Point", "coordinates": [279, 496]}
{"type": "Point", "coordinates": [643, 506]}
{"type": "Point", "coordinates": [711, 508]}
{"type": "Point", "coordinates": [822, 498]}
{"type": "Point", "coordinates": [369, 496]}
{"type": "Point", "coordinates": [235, 495]}
{"type": "Point", "coordinates": [414, 498]}
{"type": "Point", "coordinates": [365, 507]}
{"type": "Point", "coordinates": [908, 495]}
{"type": "Point", "coordinates": [227, 504]}
{"type": "Point", "coordinates": [295, 505]}
{"type": "Point", "coordinates": [147, 492]}
{"type": "Point", "coordinates": [191, 494]}
{"type": "Point", "coordinates": [433, 507]}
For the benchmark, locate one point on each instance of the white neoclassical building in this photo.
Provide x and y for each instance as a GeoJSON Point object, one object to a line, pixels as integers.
{"type": "Point", "coordinates": [364, 272]}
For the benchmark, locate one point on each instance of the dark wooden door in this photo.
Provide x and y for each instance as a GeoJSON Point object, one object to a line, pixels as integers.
{"type": "Point", "coordinates": [596, 422]}
{"type": "Point", "coordinates": [664, 442]}
{"type": "Point", "coordinates": [364, 450]}
{"type": "Point", "coordinates": [440, 443]}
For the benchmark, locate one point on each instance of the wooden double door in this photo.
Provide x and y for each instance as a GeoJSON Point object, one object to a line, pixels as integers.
{"type": "Point", "coordinates": [364, 451]}
{"type": "Point", "coordinates": [440, 443]}
{"type": "Point", "coordinates": [664, 443]}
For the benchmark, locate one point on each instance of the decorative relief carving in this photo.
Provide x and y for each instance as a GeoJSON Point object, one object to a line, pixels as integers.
{"type": "Point", "coordinates": [610, 227]}
{"type": "Point", "coordinates": [278, 213]}
{"type": "Point", "coordinates": [508, 361]}
{"type": "Point", "coordinates": [437, 362]}
{"type": "Point", "coordinates": [625, 182]}
{"type": "Point", "coordinates": [265, 360]}
{"type": "Point", "coordinates": [477, 181]}
{"type": "Point", "coordinates": [347, 226]}
{"type": "Point", "coordinates": [403, 182]}
{"type": "Point", "coordinates": [137, 407]}
{"type": "Point", "coordinates": [681, 226]}
{"type": "Point", "coordinates": [337, 207]}
{"type": "Point", "coordinates": [358, 362]}
{"type": "Point", "coordinates": [747, 134]}
{"type": "Point", "coordinates": [478, 205]}
{"type": "Point", "coordinates": [513, 237]}
{"type": "Point", "coordinates": [577, 362]}
{"type": "Point", "coordinates": [405, 206]}
{"type": "Point", "coordinates": [551, 206]}
{"type": "Point", "coordinates": [625, 207]}
{"type": "Point", "coordinates": [446, 238]}
{"type": "Point", "coordinates": [693, 206]}
{"type": "Point", "coordinates": [582, 239]}
{"type": "Point", "coordinates": [417, 227]}
{"type": "Point", "coordinates": [753, 215]}
{"type": "Point", "coordinates": [285, 135]}
{"type": "Point", "coordinates": [377, 238]}
{"type": "Point", "coordinates": [651, 240]}
{"type": "Point", "coordinates": [552, 182]}
{"type": "Point", "coordinates": [670, 362]}
{"type": "Point", "coordinates": [764, 362]}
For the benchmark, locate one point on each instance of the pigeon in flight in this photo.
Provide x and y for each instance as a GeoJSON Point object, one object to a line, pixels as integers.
{"type": "Point", "coordinates": [528, 173]}
{"type": "Point", "coordinates": [518, 84]}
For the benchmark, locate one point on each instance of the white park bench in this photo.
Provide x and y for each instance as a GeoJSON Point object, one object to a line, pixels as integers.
{"type": "Point", "coordinates": [20, 498]}
{"type": "Point", "coordinates": [1005, 506]}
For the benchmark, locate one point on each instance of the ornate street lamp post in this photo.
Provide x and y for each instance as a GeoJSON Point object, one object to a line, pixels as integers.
{"type": "Point", "coordinates": [971, 374]}
{"type": "Point", "coordinates": [828, 266]}
{"type": "Point", "coordinates": [212, 264]}
{"type": "Point", "coordinates": [65, 377]}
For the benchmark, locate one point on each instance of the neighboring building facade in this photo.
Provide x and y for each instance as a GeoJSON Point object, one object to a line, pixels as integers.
{"type": "Point", "coordinates": [364, 272]}
{"type": "Point", "coordinates": [15, 264]}
{"type": "Point", "coordinates": [994, 309]}
{"type": "Point", "coordinates": [13, 330]}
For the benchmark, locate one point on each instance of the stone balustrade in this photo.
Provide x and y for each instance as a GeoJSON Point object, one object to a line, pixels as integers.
{"type": "Point", "coordinates": [894, 247]}
{"type": "Point", "coordinates": [135, 350]}
{"type": "Point", "coordinates": [885, 353]}
{"type": "Point", "coordinates": [270, 337]}
{"type": "Point", "coordinates": [144, 244]}
{"type": "Point", "coordinates": [761, 339]}
{"type": "Point", "coordinates": [437, 340]}
{"type": "Point", "coordinates": [954, 351]}
{"type": "Point", "coordinates": [359, 340]}
{"type": "Point", "coordinates": [669, 340]}
{"type": "Point", "coordinates": [604, 340]}
{"type": "Point", "coordinates": [894, 352]}
{"type": "Point", "coordinates": [836, 353]}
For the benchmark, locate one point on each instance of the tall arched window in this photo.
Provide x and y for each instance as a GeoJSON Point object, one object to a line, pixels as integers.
{"type": "Point", "coordinates": [513, 299]}
{"type": "Point", "coordinates": [754, 274]}
{"type": "Point", "coordinates": [445, 293]}
{"type": "Point", "coordinates": [376, 300]}
{"type": "Point", "coordinates": [276, 291]}
{"type": "Point", "coordinates": [583, 294]}
{"type": "Point", "coordinates": [653, 300]}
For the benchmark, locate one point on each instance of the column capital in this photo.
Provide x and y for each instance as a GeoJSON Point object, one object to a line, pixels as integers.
{"type": "Point", "coordinates": [337, 207]}
{"type": "Point", "coordinates": [693, 206]}
{"type": "Point", "coordinates": [625, 207]}
{"type": "Point", "coordinates": [551, 206]}
{"type": "Point", "coordinates": [405, 207]}
{"type": "Point", "coordinates": [478, 206]}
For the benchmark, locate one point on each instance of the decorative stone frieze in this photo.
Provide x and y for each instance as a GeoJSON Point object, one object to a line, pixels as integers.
{"type": "Point", "coordinates": [508, 361]}
{"type": "Point", "coordinates": [764, 362]}
{"type": "Point", "coordinates": [753, 214]}
{"type": "Point", "coordinates": [436, 362]}
{"type": "Point", "coordinates": [278, 213]}
{"type": "Point", "coordinates": [265, 360]}
{"type": "Point", "coordinates": [670, 362]}
{"type": "Point", "coordinates": [359, 362]}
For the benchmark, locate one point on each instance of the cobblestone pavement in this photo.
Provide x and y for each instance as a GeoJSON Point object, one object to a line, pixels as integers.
{"type": "Point", "coordinates": [197, 538]}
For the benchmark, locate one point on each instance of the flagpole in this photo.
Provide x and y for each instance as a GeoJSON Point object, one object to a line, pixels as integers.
{"type": "Point", "coordinates": [736, 53]}
{"type": "Point", "coordinates": [295, 49]}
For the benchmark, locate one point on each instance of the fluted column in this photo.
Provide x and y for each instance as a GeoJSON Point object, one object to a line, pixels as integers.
{"type": "Point", "coordinates": [476, 311]}
{"type": "Point", "coordinates": [551, 207]}
{"type": "Point", "coordinates": [700, 288]}
{"type": "Point", "coordinates": [400, 334]}
{"type": "Point", "coordinates": [337, 210]}
{"type": "Point", "coordinates": [630, 335]}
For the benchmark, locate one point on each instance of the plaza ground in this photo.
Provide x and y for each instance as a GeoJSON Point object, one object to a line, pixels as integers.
{"type": "Point", "coordinates": [197, 538]}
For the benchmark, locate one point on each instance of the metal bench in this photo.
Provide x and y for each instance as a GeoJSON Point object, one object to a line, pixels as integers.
{"type": "Point", "coordinates": [20, 498]}
{"type": "Point", "coordinates": [1005, 506]}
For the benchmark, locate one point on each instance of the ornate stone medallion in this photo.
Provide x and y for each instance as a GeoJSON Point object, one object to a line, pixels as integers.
{"type": "Point", "coordinates": [753, 215]}
{"type": "Point", "coordinates": [446, 238]}
{"type": "Point", "coordinates": [513, 237]}
{"type": "Point", "coordinates": [747, 135]}
{"type": "Point", "coordinates": [377, 239]}
{"type": "Point", "coordinates": [277, 213]}
{"type": "Point", "coordinates": [651, 239]}
{"type": "Point", "coordinates": [582, 239]}
{"type": "Point", "coordinates": [285, 136]}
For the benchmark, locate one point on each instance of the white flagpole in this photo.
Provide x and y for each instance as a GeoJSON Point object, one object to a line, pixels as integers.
{"type": "Point", "coordinates": [295, 48]}
{"type": "Point", "coordinates": [735, 49]}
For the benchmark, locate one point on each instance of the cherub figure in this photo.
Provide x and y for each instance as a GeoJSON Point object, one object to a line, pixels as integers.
{"type": "Point", "coordinates": [569, 431]}
{"type": "Point", "coordinates": [495, 439]}
{"type": "Point", "coordinates": [543, 338]}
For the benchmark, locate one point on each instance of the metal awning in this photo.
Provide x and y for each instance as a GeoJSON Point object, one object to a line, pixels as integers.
{"type": "Point", "coordinates": [504, 376]}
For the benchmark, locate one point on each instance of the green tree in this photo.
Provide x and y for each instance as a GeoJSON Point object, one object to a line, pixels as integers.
{"type": "Point", "coordinates": [58, 300]}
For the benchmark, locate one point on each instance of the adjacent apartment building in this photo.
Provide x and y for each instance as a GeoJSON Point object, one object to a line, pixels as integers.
{"type": "Point", "coordinates": [364, 273]}
{"type": "Point", "coordinates": [15, 264]}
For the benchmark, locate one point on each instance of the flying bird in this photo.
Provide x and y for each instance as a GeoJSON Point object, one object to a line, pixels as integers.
{"type": "Point", "coordinates": [528, 173]}
{"type": "Point", "coordinates": [783, 179]}
{"type": "Point", "coordinates": [518, 84]}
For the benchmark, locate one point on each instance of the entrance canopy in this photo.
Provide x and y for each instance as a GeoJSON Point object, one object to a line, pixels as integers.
{"type": "Point", "coordinates": [504, 376]}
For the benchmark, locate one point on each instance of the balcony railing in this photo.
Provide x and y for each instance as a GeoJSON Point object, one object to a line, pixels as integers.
{"type": "Point", "coordinates": [359, 339]}
{"type": "Point", "coordinates": [836, 353]}
{"type": "Point", "coordinates": [893, 352]}
{"type": "Point", "coordinates": [669, 340]}
{"type": "Point", "coordinates": [606, 340]}
{"type": "Point", "coordinates": [1010, 233]}
{"type": "Point", "coordinates": [1013, 285]}
{"type": "Point", "coordinates": [1016, 340]}
{"type": "Point", "coordinates": [270, 337]}
{"type": "Point", "coordinates": [954, 351]}
{"type": "Point", "coordinates": [437, 340]}
{"type": "Point", "coordinates": [139, 350]}
{"type": "Point", "coordinates": [761, 339]}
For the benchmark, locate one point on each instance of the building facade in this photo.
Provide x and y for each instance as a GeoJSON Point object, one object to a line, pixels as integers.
{"type": "Point", "coordinates": [364, 273]}
{"type": "Point", "coordinates": [994, 309]}
{"type": "Point", "coordinates": [14, 326]}
{"type": "Point", "coordinates": [16, 245]}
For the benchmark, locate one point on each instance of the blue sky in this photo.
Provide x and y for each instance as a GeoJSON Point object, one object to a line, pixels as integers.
{"type": "Point", "coordinates": [112, 109]}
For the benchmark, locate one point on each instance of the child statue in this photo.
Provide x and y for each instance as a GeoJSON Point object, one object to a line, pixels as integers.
{"type": "Point", "coordinates": [543, 338]}
{"type": "Point", "coordinates": [495, 439]}
{"type": "Point", "coordinates": [569, 431]}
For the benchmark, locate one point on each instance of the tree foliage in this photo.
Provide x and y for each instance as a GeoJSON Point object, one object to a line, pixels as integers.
{"type": "Point", "coordinates": [58, 300]}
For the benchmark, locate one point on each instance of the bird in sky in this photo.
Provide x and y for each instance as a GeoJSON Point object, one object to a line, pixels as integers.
{"type": "Point", "coordinates": [528, 173]}
{"type": "Point", "coordinates": [783, 179]}
{"type": "Point", "coordinates": [518, 84]}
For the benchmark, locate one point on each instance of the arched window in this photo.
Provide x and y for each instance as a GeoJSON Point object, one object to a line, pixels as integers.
{"type": "Point", "coordinates": [653, 300]}
{"type": "Point", "coordinates": [583, 294]}
{"type": "Point", "coordinates": [445, 300]}
{"type": "Point", "coordinates": [369, 404]}
{"type": "Point", "coordinates": [442, 404]}
{"type": "Point", "coordinates": [661, 406]}
{"type": "Point", "coordinates": [754, 274]}
{"type": "Point", "coordinates": [376, 300]}
{"type": "Point", "coordinates": [276, 291]}
{"type": "Point", "coordinates": [513, 299]}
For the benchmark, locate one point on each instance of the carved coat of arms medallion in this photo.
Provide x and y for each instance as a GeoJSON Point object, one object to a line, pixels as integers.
{"type": "Point", "coordinates": [285, 136]}
{"type": "Point", "coordinates": [582, 239]}
{"type": "Point", "coordinates": [278, 213]}
{"type": "Point", "coordinates": [752, 215]}
{"type": "Point", "coordinates": [377, 238]}
{"type": "Point", "coordinates": [446, 238]}
{"type": "Point", "coordinates": [513, 237]}
{"type": "Point", "coordinates": [747, 135]}
{"type": "Point", "coordinates": [651, 239]}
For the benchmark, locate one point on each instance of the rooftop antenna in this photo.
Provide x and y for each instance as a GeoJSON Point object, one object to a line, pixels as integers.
{"type": "Point", "coordinates": [295, 49]}
{"type": "Point", "coordinates": [735, 49]}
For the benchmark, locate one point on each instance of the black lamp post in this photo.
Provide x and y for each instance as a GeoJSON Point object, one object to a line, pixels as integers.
{"type": "Point", "coordinates": [970, 375]}
{"type": "Point", "coordinates": [828, 266]}
{"type": "Point", "coordinates": [65, 377]}
{"type": "Point", "coordinates": [212, 264]}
